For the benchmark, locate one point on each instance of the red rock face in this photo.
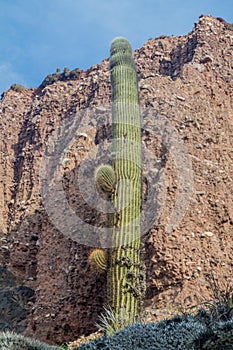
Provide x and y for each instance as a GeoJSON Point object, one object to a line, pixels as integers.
{"type": "Point", "coordinates": [187, 81]}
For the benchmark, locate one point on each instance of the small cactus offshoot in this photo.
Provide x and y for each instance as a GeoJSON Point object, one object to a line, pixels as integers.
{"type": "Point", "coordinates": [98, 260]}
{"type": "Point", "coordinates": [105, 178]}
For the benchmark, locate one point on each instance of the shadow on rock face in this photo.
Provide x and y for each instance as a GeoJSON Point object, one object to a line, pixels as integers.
{"type": "Point", "coordinates": [14, 301]}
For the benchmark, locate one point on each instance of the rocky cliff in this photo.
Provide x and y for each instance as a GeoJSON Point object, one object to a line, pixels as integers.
{"type": "Point", "coordinates": [186, 94]}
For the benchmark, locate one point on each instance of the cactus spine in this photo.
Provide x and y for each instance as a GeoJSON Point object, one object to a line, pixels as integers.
{"type": "Point", "coordinates": [125, 276]}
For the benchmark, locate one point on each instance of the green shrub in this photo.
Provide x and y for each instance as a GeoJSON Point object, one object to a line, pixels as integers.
{"type": "Point", "coordinates": [221, 305]}
{"type": "Point", "coordinates": [58, 76]}
{"type": "Point", "coordinates": [50, 79]}
{"type": "Point", "coordinates": [64, 346]}
{"type": "Point", "coordinates": [179, 333]}
{"type": "Point", "coordinates": [186, 332]}
{"type": "Point", "coordinates": [221, 337]}
{"type": "Point", "coordinates": [12, 341]}
{"type": "Point", "coordinates": [17, 87]}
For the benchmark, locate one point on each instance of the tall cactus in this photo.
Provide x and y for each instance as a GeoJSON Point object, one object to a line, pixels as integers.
{"type": "Point", "coordinates": [125, 277]}
{"type": "Point", "coordinates": [124, 181]}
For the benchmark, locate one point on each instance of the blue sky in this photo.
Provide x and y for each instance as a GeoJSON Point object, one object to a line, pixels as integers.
{"type": "Point", "coordinates": [37, 36]}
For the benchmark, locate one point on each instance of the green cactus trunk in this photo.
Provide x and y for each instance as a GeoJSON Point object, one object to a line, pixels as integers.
{"type": "Point", "coordinates": [125, 277]}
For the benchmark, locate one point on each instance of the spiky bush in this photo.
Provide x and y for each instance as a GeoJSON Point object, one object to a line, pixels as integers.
{"type": "Point", "coordinates": [12, 341]}
{"type": "Point", "coordinates": [188, 332]}
{"type": "Point", "coordinates": [221, 305]}
{"type": "Point", "coordinates": [220, 337]}
{"type": "Point", "coordinates": [179, 333]}
{"type": "Point", "coordinates": [109, 322]}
